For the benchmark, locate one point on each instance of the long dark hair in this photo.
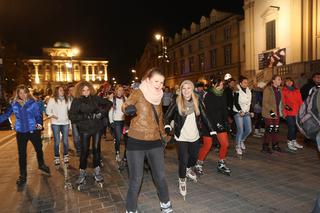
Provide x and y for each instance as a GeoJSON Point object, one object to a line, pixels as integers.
{"type": "Point", "coordinates": [272, 79]}
{"type": "Point", "coordinates": [56, 94]}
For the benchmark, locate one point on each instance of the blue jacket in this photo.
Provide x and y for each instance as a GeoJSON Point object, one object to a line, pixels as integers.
{"type": "Point", "coordinates": [27, 116]}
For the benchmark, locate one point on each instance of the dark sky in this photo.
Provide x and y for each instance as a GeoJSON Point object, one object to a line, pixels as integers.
{"type": "Point", "coordinates": [117, 30]}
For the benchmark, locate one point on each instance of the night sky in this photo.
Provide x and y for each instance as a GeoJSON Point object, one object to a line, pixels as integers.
{"type": "Point", "coordinates": [115, 30]}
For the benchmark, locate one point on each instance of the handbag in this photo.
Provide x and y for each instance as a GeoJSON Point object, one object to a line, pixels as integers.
{"type": "Point", "coordinates": [163, 141]}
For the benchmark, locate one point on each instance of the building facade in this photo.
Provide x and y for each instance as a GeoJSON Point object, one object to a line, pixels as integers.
{"type": "Point", "coordinates": [281, 37]}
{"type": "Point", "coordinates": [213, 47]}
{"type": "Point", "coordinates": [61, 64]}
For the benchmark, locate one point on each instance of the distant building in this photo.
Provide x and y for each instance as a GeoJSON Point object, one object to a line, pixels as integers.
{"type": "Point", "coordinates": [281, 37]}
{"type": "Point", "coordinates": [62, 64]}
{"type": "Point", "coordinates": [213, 47]}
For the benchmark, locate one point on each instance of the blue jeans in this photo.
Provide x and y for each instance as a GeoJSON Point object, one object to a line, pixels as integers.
{"type": "Point", "coordinates": [292, 129]}
{"type": "Point", "coordinates": [76, 137]}
{"type": "Point", "coordinates": [56, 129]}
{"type": "Point", "coordinates": [117, 131]}
{"type": "Point", "coordinates": [244, 127]}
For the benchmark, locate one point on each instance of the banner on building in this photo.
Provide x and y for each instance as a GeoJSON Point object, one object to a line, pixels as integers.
{"type": "Point", "coordinates": [272, 58]}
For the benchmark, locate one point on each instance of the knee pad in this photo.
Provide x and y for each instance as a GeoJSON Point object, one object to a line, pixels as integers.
{"type": "Point", "coordinates": [270, 129]}
{"type": "Point", "coordinates": [276, 129]}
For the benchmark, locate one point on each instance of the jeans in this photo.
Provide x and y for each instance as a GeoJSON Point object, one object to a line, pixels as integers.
{"type": "Point", "coordinates": [244, 127]}
{"type": "Point", "coordinates": [118, 127]}
{"type": "Point", "coordinates": [22, 141]}
{"type": "Point", "coordinates": [188, 155]}
{"type": "Point", "coordinates": [85, 145]}
{"type": "Point", "coordinates": [76, 137]}
{"type": "Point", "coordinates": [64, 129]}
{"type": "Point", "coordinates": [292, 129]}
{"type": "Point", "coordinates": [136, 158]}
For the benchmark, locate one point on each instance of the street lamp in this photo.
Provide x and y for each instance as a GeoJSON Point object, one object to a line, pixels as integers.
{"type": "Point", "coordinates": [163, 54]}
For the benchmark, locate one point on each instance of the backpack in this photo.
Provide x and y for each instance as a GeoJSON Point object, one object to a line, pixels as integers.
{"type": "Point", "coordinates": [308, 118]}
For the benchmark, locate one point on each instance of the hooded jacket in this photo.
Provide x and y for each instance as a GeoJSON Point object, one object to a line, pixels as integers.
{"type": "Point", "coordinates": [293, 100]}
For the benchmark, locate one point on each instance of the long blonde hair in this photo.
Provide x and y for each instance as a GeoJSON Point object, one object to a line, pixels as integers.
{"type": "Point", "coordinates": [181, 101]}
{"type": "Point", "coordinates": [26, 90]}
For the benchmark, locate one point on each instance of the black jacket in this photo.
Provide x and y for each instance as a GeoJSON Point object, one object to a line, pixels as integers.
{"type": "Point", "coordinates": [306, 89]}
{"type": "Point", "coordinates": [216, 108]}
{"type": "Point", "coordinates": [82, 113]}
{"type": "Point", "coordinates": [173, 114]}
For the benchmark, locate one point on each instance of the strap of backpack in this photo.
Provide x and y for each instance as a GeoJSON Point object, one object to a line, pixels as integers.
{"type": "Point", "coordinates": [155, 115]}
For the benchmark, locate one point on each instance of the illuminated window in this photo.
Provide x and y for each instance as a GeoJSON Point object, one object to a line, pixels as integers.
{"type": "Point", "coordinates": [201, 62]}
{"type": "Point", "coordinates": [200, 43]}
{"type": "Point", "coordinates": [227, 33]}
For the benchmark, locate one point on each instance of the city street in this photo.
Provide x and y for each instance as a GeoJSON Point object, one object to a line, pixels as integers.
{"type": "Point", "coordinates": [283, 182]}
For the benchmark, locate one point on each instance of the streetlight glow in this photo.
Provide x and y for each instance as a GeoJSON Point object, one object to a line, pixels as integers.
{"type": "Point", "coordinates": [113, 79]}
{"type": "Point", "coordinates": [158, 36]}
{"type": "Point", "coordinates": [75, 51]}
{"type": "Point", "coordinates": [133, 71]}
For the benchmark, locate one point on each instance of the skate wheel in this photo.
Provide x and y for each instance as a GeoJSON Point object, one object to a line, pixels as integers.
{"type": "Point", "coordinates": [57, 167]}
{"type": "Point", "coordinates": [100, 184]}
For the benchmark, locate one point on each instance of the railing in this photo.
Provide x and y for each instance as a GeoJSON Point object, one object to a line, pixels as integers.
{"type": "Point", "coordinates": [294, 70]}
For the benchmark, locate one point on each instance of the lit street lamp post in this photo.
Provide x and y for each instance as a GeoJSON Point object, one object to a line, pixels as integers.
{"type": "Point", "coordinates": [163, 56]}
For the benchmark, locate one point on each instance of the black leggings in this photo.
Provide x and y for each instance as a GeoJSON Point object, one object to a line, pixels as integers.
{"type": "Point", "coordinates": [188, 155]}
{"type": "Point", "coordinates": [85, 145]}
{"type": "Point", "coordinates": [22, 140]}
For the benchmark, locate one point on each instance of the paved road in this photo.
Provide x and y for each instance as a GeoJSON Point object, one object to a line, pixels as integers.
{"type": "Point", "coordinates": [278, 183]}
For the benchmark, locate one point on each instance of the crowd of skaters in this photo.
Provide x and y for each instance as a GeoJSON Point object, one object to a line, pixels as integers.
{"type": "Point", "coordinates": [146, 114]}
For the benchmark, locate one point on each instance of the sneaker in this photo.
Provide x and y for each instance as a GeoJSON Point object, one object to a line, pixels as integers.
{"type": "Point", "coordinates": [238, 150]}
{"type": "Point", "coordinates": [291, 146]}
{"type": "Point", "coordinates": [257, 134]}
{"type": "Point", "coordinates": [191, 175]}
{"type": "Point", "coordinates": [296, 144]}
{"type": "Point", "coordinates": [242, 145]}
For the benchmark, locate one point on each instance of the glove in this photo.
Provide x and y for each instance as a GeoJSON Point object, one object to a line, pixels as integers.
{"type": "Point", "coordinates": [242, 113]}
{"type": "Point", "coordinates": [112, 125]}
{"type": "Point", "coordinates": [97, 115]}
{"type": "Point", "coordinates": [251, 114]}
{"type": "Point", "coordinates": [220, 127]}
{"type": "Point", "coordinates": [287, 107]}
{"type": "Point", "coordinates": [38, 126]}
{"type": "Point", "coordinates": [272, 114]}
{"type": "Point", "coordinates": [213, 133]}
{"type": "Point", "coordinates": [167, 129]}
{"type": "Point", "coordinates": [130, 110]}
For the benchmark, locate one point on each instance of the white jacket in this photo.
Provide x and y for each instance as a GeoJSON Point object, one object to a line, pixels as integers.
{"type": "Point", "coordinates": [244, 100]}
{"type": "Point", "coordinates": [116, 114]}
{"type": "Point", "coordinates": [59, 109]}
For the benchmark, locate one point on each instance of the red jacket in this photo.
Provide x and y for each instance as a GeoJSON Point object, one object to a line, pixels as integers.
{"type": "Point", "coordinates": [292, 99]}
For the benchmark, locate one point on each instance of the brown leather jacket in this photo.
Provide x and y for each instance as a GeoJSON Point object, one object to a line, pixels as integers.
{"type": "Point", "coordinates": [144, 126]}
{"type": "Point", "coordinates": [269, 103]}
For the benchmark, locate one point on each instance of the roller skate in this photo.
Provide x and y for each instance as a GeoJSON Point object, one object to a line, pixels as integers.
{"type": "Point", "coordinates": [222, 168]}
{"type": "Point", "coordinates": [98, 177]}
{"type": "Point", "coordinates": [166, 207]}
{"type": "Point", "coordinates": [243, 146]}
{"type": "Point", "coordinates": [67, 183]}
{"type": "Point", "coordinates": [57, 162]}
{"type": "Point", "coordinates": [122, 164]}
{"type": "Point", "coordinates": [199, 167]}
{"type": "Point", "coordinates": [118, 159]}
{"type": "Point", "coordinates": [21, 180]}
{"type": "Point", "coordinates": [183, 187]}
{"type": "Point", "coordinates": [191, 175]}
{"type": "Point", "coordinates": [66, 160]}
{"type": "Point", "coordinates": [81, 181]}
{"type": "Point", "coordinates": [266, 149]}
{"type": "Point", "coordinates": [239, 152]}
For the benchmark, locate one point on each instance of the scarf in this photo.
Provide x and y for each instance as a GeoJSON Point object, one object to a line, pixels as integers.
{"type": "Point", "coordinates": [291, 88]}
{"type": "Point", "coordinates": [216, 92]}
{"type": "Point", "coordinates": [189, 107]}
{"type": "Point", "coordinates": [150, 93]}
